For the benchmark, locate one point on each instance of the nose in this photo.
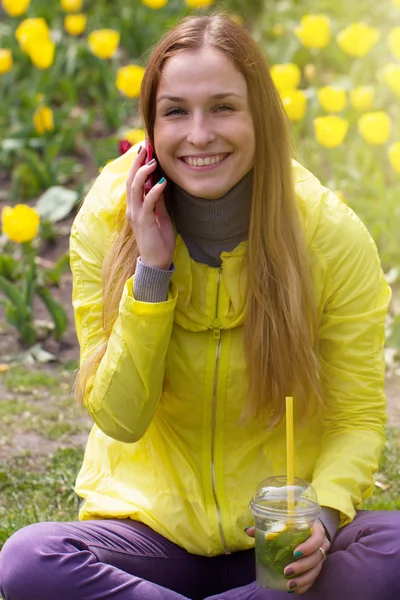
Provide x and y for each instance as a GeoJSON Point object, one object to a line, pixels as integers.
{"type": "Point", "coordinates": [200, 132]}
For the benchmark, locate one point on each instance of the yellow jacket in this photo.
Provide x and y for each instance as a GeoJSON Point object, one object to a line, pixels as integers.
{"type": "Point", "coordinates": [166, 448]}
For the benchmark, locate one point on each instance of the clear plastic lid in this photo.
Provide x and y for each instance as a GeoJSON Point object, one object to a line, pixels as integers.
{"type": "Point", "coordinates": [271, 499]}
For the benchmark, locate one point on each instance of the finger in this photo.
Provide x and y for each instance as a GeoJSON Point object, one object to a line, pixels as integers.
{"type": "Point", "coordinates": [137, 162]}
{"type": "Point", "coordinates": [303, 582]}
{"type": "Point", "coordinates": [135, 194]}
{"type": "Point", "coordinates": [316, 540]}
{"type": "Point", "coordinates": [154, 195]}
{"type": "Point", "coordinates": [302, 565]}
{"type": "Point", "coordinates": [250, 531]}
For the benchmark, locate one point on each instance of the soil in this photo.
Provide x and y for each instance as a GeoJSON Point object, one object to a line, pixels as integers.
{"type": "Point", "coordinates": [32, 441]}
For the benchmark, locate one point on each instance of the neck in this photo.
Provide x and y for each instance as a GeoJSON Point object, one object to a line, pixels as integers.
{"type": "Point", "coordinates": [225, 218]}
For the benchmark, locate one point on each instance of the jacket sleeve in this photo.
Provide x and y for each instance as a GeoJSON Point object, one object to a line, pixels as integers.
{"type": "Point", "coordinates": [123, 394]}
{"type": "Point", "coordinates": [352, 363]}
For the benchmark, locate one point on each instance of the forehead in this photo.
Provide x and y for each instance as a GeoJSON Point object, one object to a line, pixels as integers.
{"type": "Point", "coordinates": [200, 72]}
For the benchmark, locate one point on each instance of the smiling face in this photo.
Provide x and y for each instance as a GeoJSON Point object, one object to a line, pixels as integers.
{"type": "Point", "coordinates": [203, 132]}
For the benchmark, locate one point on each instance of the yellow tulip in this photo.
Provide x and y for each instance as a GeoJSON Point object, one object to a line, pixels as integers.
{"type": "Point", "coordinates": [43, 119]}
{"type": "Point", "coordinates": [155, 4]}
{"type": "Point", "coordinates": [29, 29]}
{"type": "Point", "coordinates": [391, 75]}
{"type": "Point", "coordinates": [332, 99]}
{"type": "Point", "coordinates": [129, 80]}
{"type": "Point", "coordinates": [361, 97]}
{"type": "Point", "coordinates": [314, 31]}
{"type": "Point", "coordinates": [104, 42]}
{"type": "Point", "coordinates": [375, 127]}
{"type": "Point", "coordinates": [21, 223]}
{"type": "Point", "coordinates": [199, 3]}
{"type": "Point", "coordinates": [6, 60]}
{"type": "Point", "coordinates": [330, 131]}
{"type": "Point", "coordinates": [357, 39]}
{"type": "Point", "coordinates": [41, 52]}
{"type": "Point", "coordinates": [286, 76]}
{"type": "Point", "coordinates": [71, 5]}
{"type": "Point", "coordinates": [134, 136]}
{"type": "Point", "coordinates": [295, 104]}
{"type": "Point", "coordinates": [394, 41]}
{"type": "Point", "coordinates": [75, 24]}
{"type": "Point", "coordinates": [394, 155]}
{"type": "Point", "coordinates": [15, 8]}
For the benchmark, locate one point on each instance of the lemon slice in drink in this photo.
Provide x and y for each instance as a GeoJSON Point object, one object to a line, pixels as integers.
{"type": "Point", "coordinates": [276, 530]}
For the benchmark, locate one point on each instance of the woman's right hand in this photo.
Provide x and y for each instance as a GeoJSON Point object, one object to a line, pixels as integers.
{"type": "Point", "coordinates": [148, 216]}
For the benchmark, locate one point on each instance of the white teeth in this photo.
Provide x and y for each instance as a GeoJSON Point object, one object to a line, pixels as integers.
{"type": "Point", "coordinates": [204, 162]}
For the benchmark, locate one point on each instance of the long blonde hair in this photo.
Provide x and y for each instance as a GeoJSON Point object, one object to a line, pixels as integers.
{"type": "Point", "coordinates": [280, 330]}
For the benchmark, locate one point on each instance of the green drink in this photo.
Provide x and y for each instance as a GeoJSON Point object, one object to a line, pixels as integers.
{"type": "Point", "coordinates": [277, 532]}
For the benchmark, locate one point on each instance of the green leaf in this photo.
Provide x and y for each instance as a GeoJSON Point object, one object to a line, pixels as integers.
{"type": "Point", "coordinates": [35, 162]}
{"type": "Point", "coordinates": [13, 317]}
{"type": "Point", "coordinates": [30, 278]}
{"type": "Point", "coordinates": [8, 267]}
{"type": "Point", "coordinates": [15, 296]}
{"type": "Point", "coordinates": [56, 203]}
{"type": "Point", "coordinates": [53, 276]}
{"type": "Point", "coordinates": [55, 309]}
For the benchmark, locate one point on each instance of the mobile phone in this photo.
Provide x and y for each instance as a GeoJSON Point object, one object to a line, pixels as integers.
{"type": "Point", "coordinates": [150, 181]}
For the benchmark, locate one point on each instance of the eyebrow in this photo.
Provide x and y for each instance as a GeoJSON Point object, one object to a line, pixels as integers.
{"type": "Point", "coordinates": [219, 96]}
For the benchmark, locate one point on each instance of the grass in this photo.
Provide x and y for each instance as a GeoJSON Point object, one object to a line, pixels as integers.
{"type": "Point", "coordinates": [387, 495]}
{"type": "Point", "coordinates": [18, 379]}
{"type": "Point", "coordinates": [38, 402]}
{"type": "Point", "coordinates": [28, 496]}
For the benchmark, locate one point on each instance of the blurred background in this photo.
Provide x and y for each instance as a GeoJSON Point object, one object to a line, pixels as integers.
{"type": "Point", "coordinates": [70, 75]}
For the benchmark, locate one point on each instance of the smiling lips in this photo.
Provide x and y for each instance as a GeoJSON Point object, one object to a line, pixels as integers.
{"type": "Point", "coordinates": [204, 161]}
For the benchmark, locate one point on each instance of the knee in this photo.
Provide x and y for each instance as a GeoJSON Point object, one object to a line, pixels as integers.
{"type": "Point", "coordinates": [22, 565]}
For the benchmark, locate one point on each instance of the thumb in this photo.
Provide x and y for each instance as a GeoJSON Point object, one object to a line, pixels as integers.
{"type": "Point", "coordinates": [250, 531]}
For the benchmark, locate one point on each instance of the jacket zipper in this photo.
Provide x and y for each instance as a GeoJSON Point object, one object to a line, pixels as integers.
{"type": "Point", "coordinates": [217, 336]}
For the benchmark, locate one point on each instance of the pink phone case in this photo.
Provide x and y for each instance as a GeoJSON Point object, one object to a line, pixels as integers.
{"type": "Point", "coordinates": [149, 156]}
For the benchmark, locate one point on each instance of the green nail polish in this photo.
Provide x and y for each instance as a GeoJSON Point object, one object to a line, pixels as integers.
{"type": "Point", "coordinates": [298, 554]}
{"type": "Point", "coordinates": [161, 180]}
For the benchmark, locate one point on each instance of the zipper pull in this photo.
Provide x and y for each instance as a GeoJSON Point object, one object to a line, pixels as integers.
{"type": "Point", "coordinates": [216, 324]}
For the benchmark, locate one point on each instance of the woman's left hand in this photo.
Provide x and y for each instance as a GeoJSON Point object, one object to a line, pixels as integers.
{"type": "Point", "coordinates": [304, 571]}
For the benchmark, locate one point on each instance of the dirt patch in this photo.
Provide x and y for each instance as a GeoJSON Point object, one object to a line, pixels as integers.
{"type": "Point", "coordinates": [33, 443]}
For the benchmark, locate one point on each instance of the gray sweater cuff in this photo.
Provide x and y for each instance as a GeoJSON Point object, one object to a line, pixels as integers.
{"type": "Point", "coordinates": [330, 520]}
{"type": "Point", "coordinates": [151, 284]}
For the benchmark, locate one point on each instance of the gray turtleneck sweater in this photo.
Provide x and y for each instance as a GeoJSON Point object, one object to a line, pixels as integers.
{"type": "Point", "coordinates": [208, 227]}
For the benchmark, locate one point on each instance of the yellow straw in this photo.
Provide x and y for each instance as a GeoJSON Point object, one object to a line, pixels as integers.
{"type": "Point", "coordinates": [290, 454]}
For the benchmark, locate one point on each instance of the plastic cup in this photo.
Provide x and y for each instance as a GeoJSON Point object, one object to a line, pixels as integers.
{"type": "Point", "coordinates": [278, 533]}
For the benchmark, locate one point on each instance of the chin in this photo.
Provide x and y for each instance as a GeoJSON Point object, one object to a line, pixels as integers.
{"type": "Point", "coordinates": [208, 192]}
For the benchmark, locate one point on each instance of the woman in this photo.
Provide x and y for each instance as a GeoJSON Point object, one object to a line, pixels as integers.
{"type": "Point", "coordinates": [238, 279]}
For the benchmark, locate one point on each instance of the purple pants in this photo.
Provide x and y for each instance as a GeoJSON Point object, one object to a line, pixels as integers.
{"type": "Point", "coordinates": [125, 560]}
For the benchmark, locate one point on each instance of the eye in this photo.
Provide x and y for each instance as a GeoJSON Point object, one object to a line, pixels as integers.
{"type": "Point", "coordinates": [224, 107]}
{"type": "Point", "coordinates": [174, 111]}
